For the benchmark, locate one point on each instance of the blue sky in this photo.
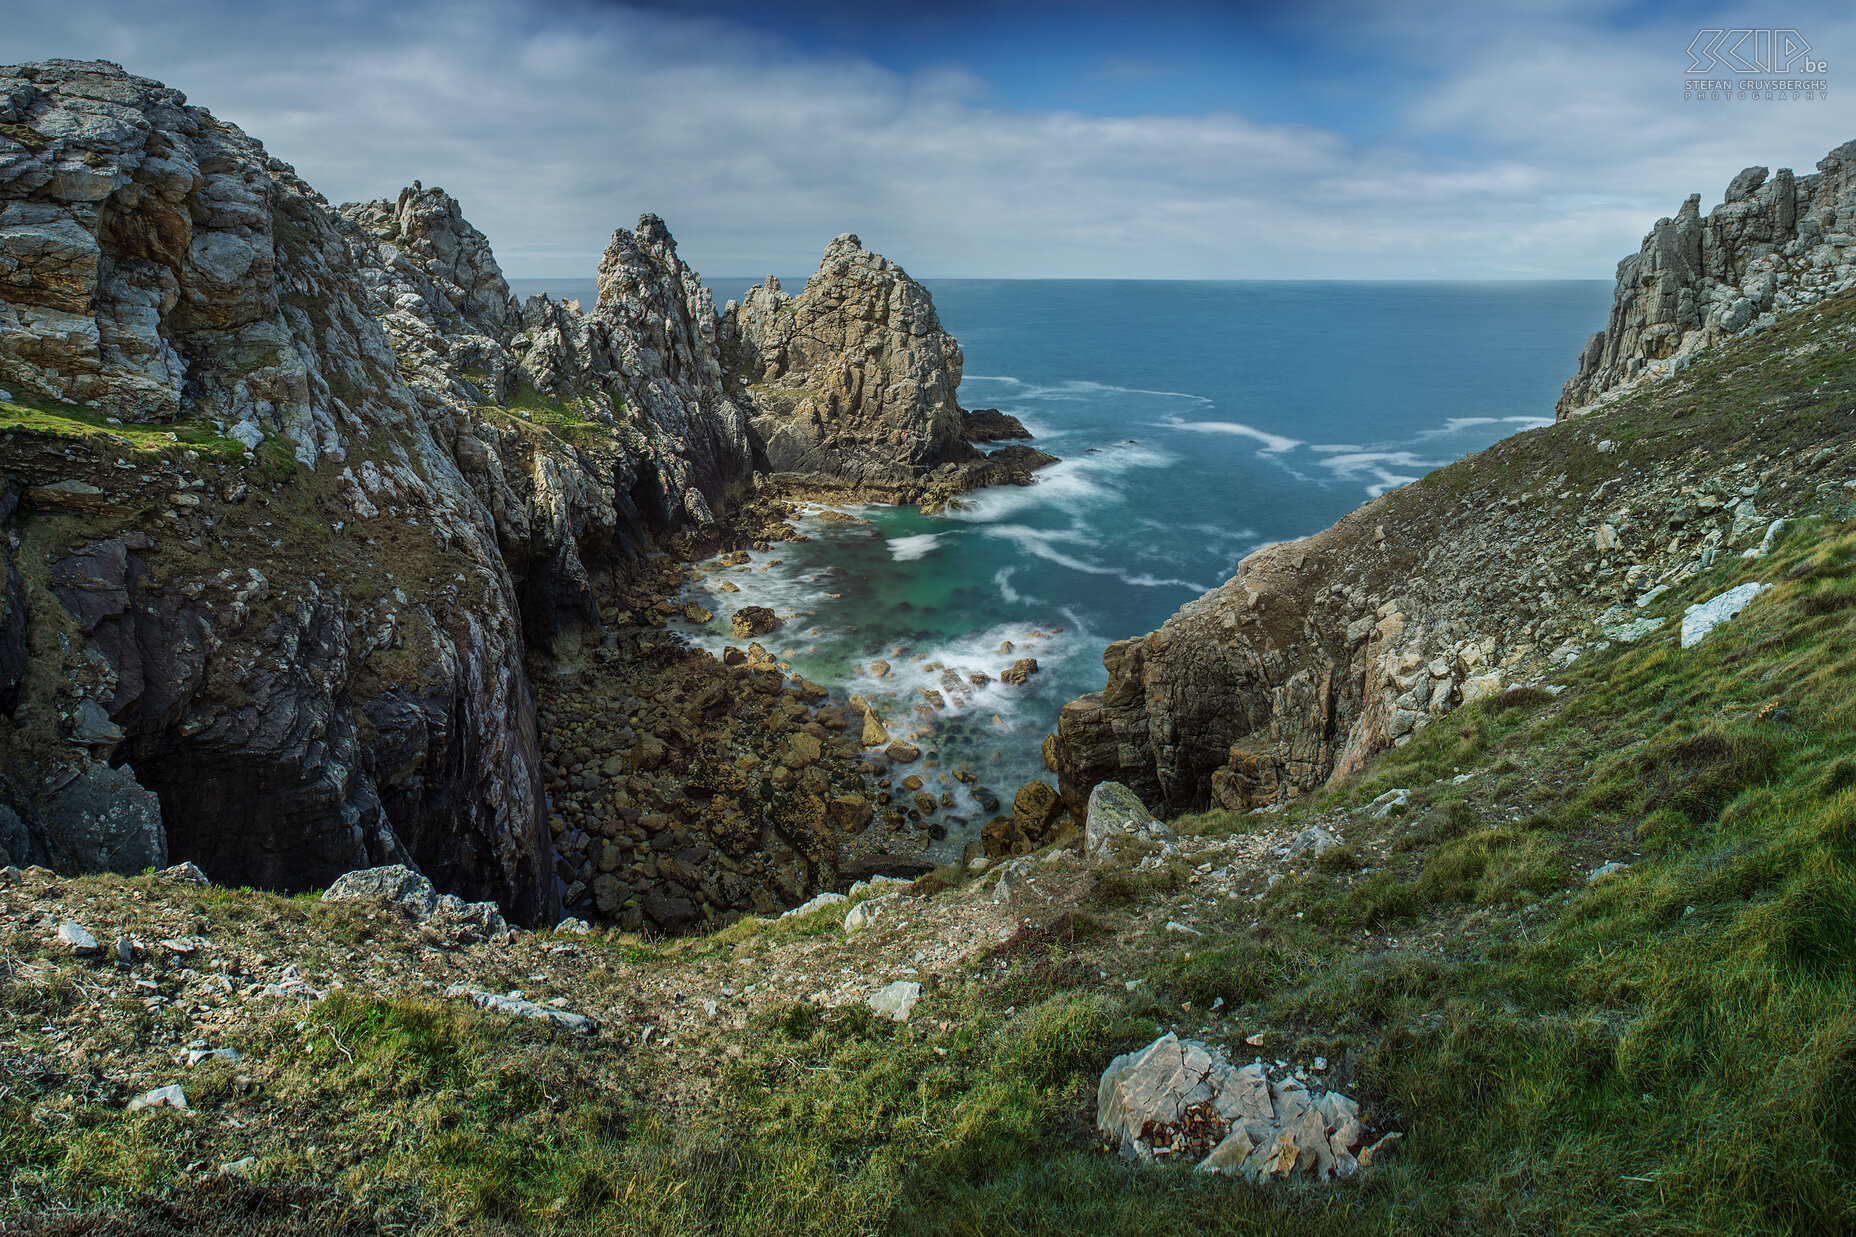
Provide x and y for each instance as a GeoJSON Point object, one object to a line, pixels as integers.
{"type": "Point", "coordinates": [1339, 139]}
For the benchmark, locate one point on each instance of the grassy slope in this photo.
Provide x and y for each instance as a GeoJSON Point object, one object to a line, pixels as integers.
{"type": "Point", "coordinates": [1671, 1049]}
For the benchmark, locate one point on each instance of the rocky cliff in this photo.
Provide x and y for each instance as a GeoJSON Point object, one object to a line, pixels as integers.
{"type": "Point", "coordinates": [1487, 574]}
{"type": "Point", "coordinates": [291, 485]}
{"type": "Point", "coordinates": [582, 433]}
{"type": "Point", "coordinates": [853, 384]}
{"type": "Point", "coordinates": [1773, 244]}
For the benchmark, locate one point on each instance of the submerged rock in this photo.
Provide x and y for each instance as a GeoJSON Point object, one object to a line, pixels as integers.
{"type": "Point", "coordinates": [1019, 672]}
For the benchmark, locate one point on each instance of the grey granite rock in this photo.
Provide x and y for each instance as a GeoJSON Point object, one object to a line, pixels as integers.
{"type": "Point", "coordinates": [1773, 244]}
{"type": "Point", "coordinates": [395, 883]}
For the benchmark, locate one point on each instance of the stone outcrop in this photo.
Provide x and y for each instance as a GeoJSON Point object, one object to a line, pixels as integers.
{"type": "Point", "coordinates": [161, 269]}
{"type": "Point", "coordinates": [1773, 244]}
{"type": "Point", "coordinates": [854, 377]}
{"type": "Point", "coordinates": [445, 916]}
{"type": "Point", "coordinates": [854, 385]}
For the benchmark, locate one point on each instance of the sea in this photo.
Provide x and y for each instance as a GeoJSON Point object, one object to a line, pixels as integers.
{"type": "Point", "coordinates": [1196, 422]}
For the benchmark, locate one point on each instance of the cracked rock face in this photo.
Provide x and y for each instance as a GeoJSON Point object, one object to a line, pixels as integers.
{"type": "Point", "coordinates": [854, 377]}
{"type": "Point", "coordinates": [318, 666]}
{"type": "Point", "coordinates": [155, 263]}
{"type": "Point", "coordinates": [139, 249]}
{"type": "Point", "coordinates": [1773, 244]}
{"type": "Point", "coordinates": [656, 444]}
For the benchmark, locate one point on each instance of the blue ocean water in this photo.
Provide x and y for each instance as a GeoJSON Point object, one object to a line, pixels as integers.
{"type": "Point", "coordinates": [1196, 421]}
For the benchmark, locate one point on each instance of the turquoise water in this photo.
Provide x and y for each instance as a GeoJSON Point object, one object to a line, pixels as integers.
{"type": "Point", "coordinates": [1196, 421]}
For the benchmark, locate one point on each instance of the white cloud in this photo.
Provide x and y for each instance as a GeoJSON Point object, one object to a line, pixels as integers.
{"type": "Point", "coordinates": [1542, 146]}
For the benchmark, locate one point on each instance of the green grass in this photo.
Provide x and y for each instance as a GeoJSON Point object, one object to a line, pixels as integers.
{"type": "Point", "coordinates": [1670, 1050]}
{"type": "Point", "coordinates": [61, 420]}
{"type": "Point", "coordinates": [562, 418]}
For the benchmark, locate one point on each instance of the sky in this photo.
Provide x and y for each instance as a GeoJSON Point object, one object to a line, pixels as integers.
{"type": "Point", "coordinates": [1336, 139]}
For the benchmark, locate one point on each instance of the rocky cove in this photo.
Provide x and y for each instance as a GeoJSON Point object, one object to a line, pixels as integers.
{"type": "Point", "coordinates": [425, 486]}
{"type": "Point", "coordinates": [1467, 866]}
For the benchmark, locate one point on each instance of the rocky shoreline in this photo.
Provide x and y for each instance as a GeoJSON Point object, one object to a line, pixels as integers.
{"type": "Point", "coordinates": [687, 790]}
{"type": "Point", "coordinates": [301, 501]}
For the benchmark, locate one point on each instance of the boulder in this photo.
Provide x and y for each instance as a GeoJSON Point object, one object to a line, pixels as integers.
{"type": "Point", "coordinates": [394, 884]}
{"type": "Point", "coordinates": [1181, 1099]}
{"type": "Point", "coordinates": [1115, 811]}
{"type": "Point", "coordinates": [445, 915]}
{"type": "Point", "coordinates": [1314, 842]}
{"type": "Point", "coordinates": [1039, 817]}
{"type": "Point", "coordinates": [849, 812]}
{"type": "Point", "coordinates": [896, 1001]}
{"type": "Point", "coordinates": [800, 751]}
{"type": "Point", "coordinates": [750, 621]}
{"type": "Point", "coordinates": [671, 914]}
